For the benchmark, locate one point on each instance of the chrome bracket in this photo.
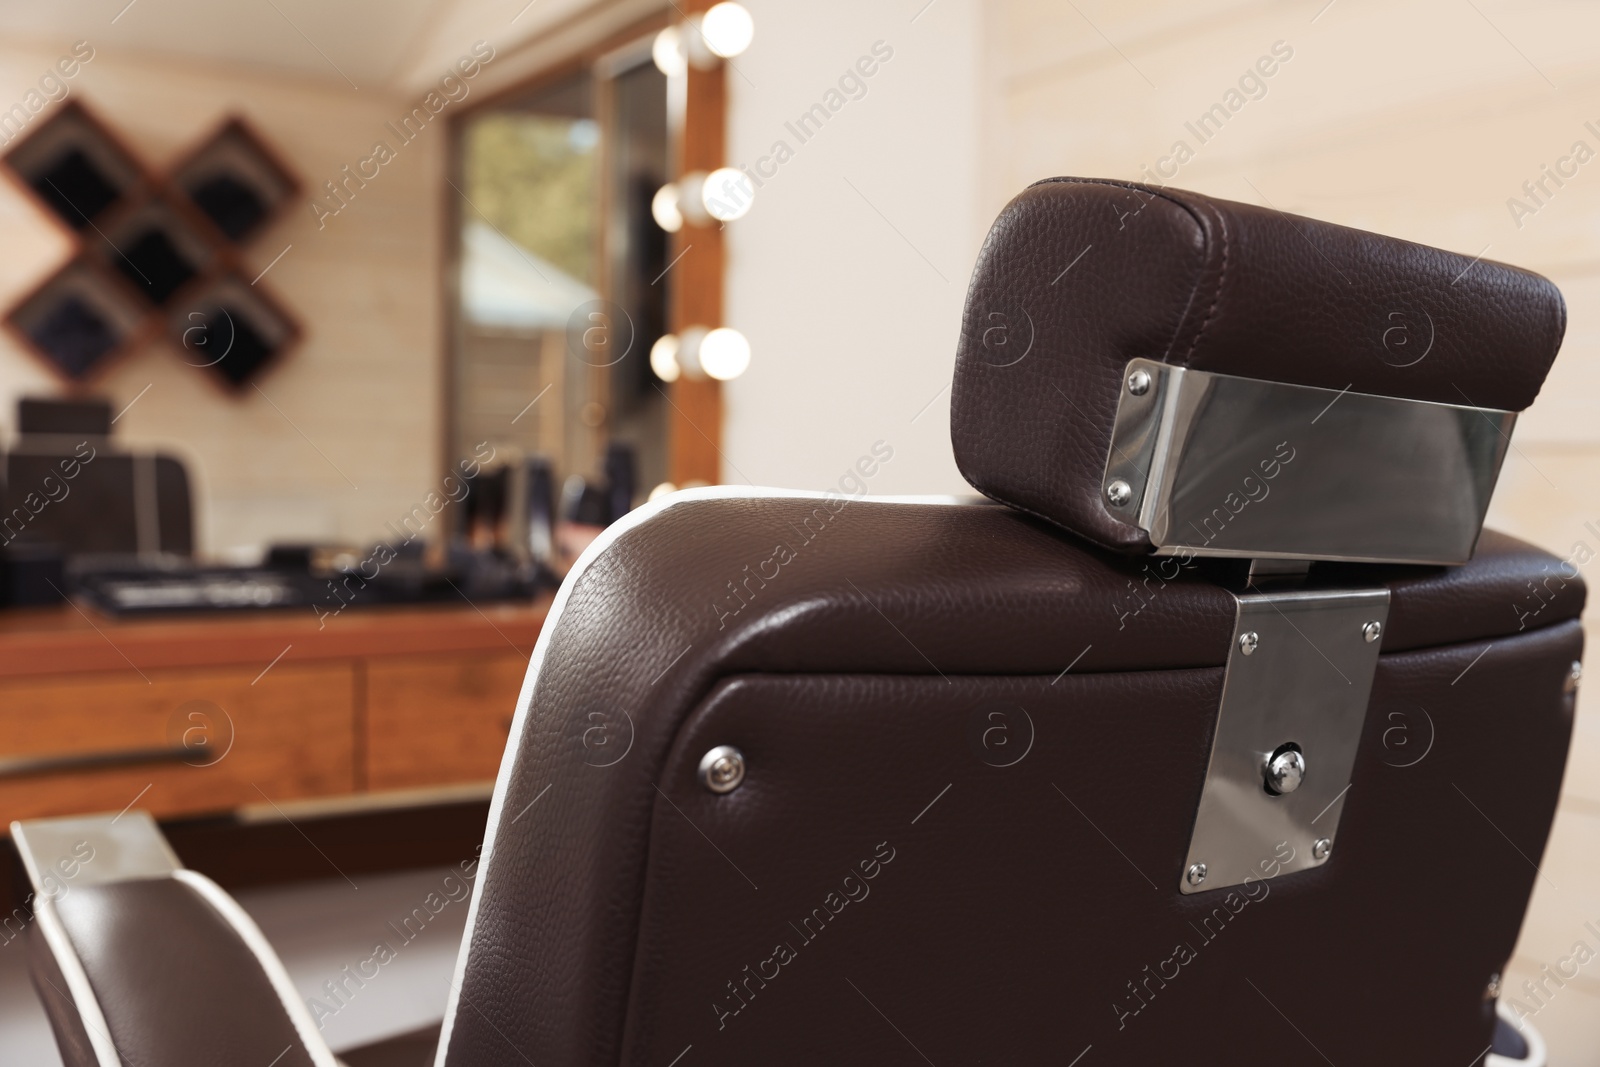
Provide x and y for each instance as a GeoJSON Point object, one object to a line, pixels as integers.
{"type": "Point", "coordinates": [92, 850]}
{"type": "Point", "coordinates": [1217, 465]}
{"type": "Point", "coordinates": [1299, 677]}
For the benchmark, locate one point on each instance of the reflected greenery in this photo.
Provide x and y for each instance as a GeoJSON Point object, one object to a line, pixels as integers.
{"type": "Point", "coordinates": [534, 177]}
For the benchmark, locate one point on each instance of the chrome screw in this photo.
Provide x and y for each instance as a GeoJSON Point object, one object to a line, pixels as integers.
{"type": "Point", "coordinates": [1323, 848]}
{"type": "Point", "coordinates": [1139, 382]}
{"type": "Point", "coordinates": [1574, 678]}
{"type": "Point", "coordinates": [722, 769]}
{"type": "Point", "coordinates": [1372, 631]}
{"type": "Point", "coordinates": [1248, 642]}
{"type": "Point", "coordinates": [1285, 771]}
{"type": "Point", "coordinates": [1195, 874]}
{"type": "Point", "coordinates": [1492, 992]}
{"type": "Point", "coordinates": [1119, 493]}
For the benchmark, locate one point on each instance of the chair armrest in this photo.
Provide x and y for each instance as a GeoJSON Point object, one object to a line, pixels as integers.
{"type": "Point", "coordinates": [157, 967]}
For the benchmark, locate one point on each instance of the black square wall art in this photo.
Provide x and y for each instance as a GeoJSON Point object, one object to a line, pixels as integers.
{"type": "Point", "coordinates": [77, 167]}
{"type": "Point", "coordinates": [157, 247]}
{"type": "Point", "coordinates": [76, 336]}
{"type": "Point", "coordinates": [233, 206]}
{"type": "Point", "coordinates": [75, 189]}
{"type": "Point", "coordinates": [154, 264]}
{"type": "Point", "coordinates": [235, 181]}
{"type": "Point", "coordinates": [153, 254]}
{"type": "Point", "coordinates": [79, 320]}
{"type": "Point", "coordinates": [231, 329]}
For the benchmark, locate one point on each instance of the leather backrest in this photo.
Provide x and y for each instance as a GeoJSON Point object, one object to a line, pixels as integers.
{"type": "Point", "coordinates": [847, 647]}
{"type": "Point", "coordinates": [1079, 276]}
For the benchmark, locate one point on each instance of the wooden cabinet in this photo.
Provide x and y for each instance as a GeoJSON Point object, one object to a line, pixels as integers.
{"type": "Point", "coordinates": [435, 720]}
{"type": "Point", "coordinates": [195, 716]}
{"type": "Point", "coordinates": [185, 741]}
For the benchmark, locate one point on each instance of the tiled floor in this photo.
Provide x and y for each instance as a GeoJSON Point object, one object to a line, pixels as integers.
{"type": "Point", "coordinates": [320, 928]}
{"type": "Point", "coordinates": [25, 1039]}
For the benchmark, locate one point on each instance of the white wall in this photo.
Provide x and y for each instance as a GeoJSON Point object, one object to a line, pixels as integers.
{"type": "Point", "coordinates": [849, 273]}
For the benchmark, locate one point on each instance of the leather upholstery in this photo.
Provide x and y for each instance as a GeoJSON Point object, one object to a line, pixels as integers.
{"type": "Point", "coordinates": [1197, 282]}
{"type": "Point", "coordinates": [612, 910]}
{"type": "Point", "coordinates": [1007, 928]}
{"type": "Point", "coordinates": [176, 984]}
{"type": "Point", "coordinates": [72, 1040]}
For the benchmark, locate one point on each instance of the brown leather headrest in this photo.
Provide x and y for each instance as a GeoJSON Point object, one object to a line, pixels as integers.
{"type": "Point", "coordinates": [1079, 276]}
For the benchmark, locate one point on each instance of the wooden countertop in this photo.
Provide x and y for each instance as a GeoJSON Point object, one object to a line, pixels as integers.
{"type": "Point", "coordinates": [72, 639]}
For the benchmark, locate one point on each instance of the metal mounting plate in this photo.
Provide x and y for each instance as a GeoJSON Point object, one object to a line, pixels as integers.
{"type": "Point", "coordinates": [1218, 465]}
{"type": "Point", "coordinates": [1306, 681]}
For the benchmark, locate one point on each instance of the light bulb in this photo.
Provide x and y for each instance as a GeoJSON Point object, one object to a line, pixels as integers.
{"type": "Point", "coordinates": [695, 47]}
{"type": "Point", "coordinates": [669, 54]}
{"type": "Point", "coordinates": [728, 29]}
{"type": "Point", "coordinates": [664, 358]}
{"type": "Point", "coordinates": [724, 354]}
{"type": "Point", "coordinates": [692, 199]}
{"type": "Point", "coordinates": [727, 194]}
{"type": "Point", "coordinates": [664, 208]}
{"type": "Point", "coordinates": [688, 353]}
{"type": "Point", "coordinates": [660, 491]}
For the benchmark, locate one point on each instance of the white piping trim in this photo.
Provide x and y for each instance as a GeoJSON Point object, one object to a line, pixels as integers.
{"type": "Point", "coordinates": [1537, 1053]}
{"type": "Point", "coordinates": [609, 536]}
{"type": "Point", "coordinates": [236, 917]}
{"type": "Point", "coordinates": [82, 993]}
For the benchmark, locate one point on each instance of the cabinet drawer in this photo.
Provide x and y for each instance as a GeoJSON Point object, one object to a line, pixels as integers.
{"type": "Point", "coordinates": [73, 745]}
{"type": "Point", "coordinates": [439, 720]}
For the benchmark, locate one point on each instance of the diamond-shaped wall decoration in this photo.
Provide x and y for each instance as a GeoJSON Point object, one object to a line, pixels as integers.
{"type": "Point", "coordinates": [153, 254]}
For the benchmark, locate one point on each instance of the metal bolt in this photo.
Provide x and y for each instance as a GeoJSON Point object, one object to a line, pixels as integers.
{"type": "Point", "coordinates": [1285, 770]}
{"type": "Point", "coordinates": [1248, 642]}
{"type": "Point", "coordinates": [1372, 631]}
{"type": "Point", "coordinates": [1195, 874]}
{"type": "Point", "coordinates": [722, 769]}
{"type": "Point", "coordinates": [1492, 991]}
{"type": "Point", "coordinates": [1323, 848]}
{"type": "Point", "coordinates": [1574, 678]}
{"type": "Point", "coordinates": [1119, 493]}
{"type": "Point", "coordinates": [1139, 382]}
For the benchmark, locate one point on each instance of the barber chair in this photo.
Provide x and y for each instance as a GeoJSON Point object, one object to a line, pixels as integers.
{"type": "Point", "coordinates": [66, 485]}
{"type": "Point", "coordinates": [1220, 734]}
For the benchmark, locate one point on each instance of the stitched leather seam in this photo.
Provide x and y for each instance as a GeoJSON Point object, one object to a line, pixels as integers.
{"type": "Point", "coordinates": [1560, 325]}
{"type": "Point", "coordinates": [1216, 298]}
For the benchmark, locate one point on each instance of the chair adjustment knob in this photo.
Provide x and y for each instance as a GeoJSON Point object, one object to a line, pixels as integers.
{"type": "Point", "coordinates": [1285, 770]}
